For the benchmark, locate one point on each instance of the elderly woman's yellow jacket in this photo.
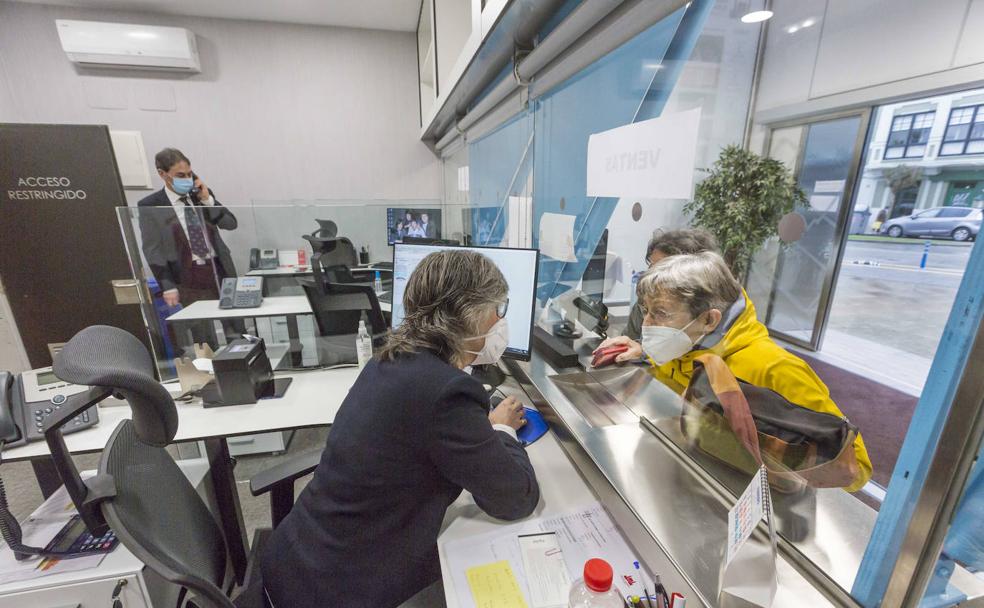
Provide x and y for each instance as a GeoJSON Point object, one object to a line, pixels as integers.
{"type": "Point", "coordinates": [753, 357]}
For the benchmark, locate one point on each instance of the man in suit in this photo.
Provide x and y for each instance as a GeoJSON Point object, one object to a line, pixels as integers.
{"type": "Point", "coordinates": [179, 228]}
{"type": "Point", "coordinates": [427, 226]}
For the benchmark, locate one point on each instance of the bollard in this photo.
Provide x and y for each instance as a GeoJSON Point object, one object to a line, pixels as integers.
{"type": "Point", "coordinates": [922, 262]}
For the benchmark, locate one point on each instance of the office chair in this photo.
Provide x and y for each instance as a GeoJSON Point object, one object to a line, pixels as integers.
{"type": "Point", "coordinates": [338, 308]}
{"type": "Point", "coordinates": [146, 499]}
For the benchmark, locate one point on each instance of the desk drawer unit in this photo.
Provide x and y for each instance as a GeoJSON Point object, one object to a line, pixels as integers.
{"type": "Point", "coordinates": [84, 594]}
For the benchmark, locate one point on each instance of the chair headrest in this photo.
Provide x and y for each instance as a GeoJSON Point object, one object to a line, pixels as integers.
{"type": "Point", "coordinates": [327, 229]}
{"type": "Point", "coordinates": [112, 358]}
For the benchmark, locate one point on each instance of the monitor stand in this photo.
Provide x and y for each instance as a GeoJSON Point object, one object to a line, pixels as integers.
{"type": "Point", "coordinates": [488, 374]}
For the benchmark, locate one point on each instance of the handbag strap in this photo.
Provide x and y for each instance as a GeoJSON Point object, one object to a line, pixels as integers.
{"type": "Point", "coordinates": [736, 409]}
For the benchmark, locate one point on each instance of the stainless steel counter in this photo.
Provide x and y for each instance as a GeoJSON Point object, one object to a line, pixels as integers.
{"type": "Point", "coordinates": [681, 497]}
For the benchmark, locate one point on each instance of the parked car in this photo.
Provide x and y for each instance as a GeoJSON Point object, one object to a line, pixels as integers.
{"type": "Point", "coordinates": [958, 223]}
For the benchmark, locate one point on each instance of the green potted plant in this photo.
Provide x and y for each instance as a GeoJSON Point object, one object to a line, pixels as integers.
{"type": "Point", "coordinates": [741, 202]}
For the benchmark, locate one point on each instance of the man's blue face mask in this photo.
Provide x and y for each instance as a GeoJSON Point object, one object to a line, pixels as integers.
{"type": "Point", "coordinates": [182, 185]}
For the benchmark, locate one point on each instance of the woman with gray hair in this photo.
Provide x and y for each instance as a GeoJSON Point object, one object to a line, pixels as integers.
{"type": "Point", "coordinates": [413, 432]}
{"type": "Point", "coordinates": [693, 306]}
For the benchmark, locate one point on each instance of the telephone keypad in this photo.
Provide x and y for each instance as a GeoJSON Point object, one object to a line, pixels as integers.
{"type": "Point", "coordinates": [42, 413]}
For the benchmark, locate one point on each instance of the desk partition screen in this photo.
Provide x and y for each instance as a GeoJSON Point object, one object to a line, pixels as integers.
{"type": "Point", "coordinates": [519, 266]}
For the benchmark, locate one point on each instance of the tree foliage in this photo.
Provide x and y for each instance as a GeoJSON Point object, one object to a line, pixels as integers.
{"type": "Point", "coordinates": [902, 177]}
{"type": "Point", "coordinates": [741, 202]}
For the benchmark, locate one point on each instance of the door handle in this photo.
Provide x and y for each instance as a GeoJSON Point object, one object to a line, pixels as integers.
{"type": "Point", "coordinates": [126, 291]}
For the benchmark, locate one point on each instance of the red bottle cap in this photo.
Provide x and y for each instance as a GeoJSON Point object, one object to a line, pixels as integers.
{"type": "Point", "coordinates": [598, 575]}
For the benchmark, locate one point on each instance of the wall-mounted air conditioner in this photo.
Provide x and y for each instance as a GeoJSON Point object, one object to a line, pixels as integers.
{"type": "Point", "coordinates": [121, 45]}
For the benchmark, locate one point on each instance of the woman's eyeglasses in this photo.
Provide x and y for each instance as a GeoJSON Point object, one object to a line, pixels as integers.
{"type": "Point", "coordinates": [501, 309]}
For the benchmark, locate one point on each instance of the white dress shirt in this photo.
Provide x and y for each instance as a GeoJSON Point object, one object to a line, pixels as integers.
{"type": "Point", "coordinates": [179, 207]}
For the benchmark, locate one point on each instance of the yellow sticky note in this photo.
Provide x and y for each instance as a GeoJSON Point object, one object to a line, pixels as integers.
{"type": "Point", "coordinates": [494, 586]}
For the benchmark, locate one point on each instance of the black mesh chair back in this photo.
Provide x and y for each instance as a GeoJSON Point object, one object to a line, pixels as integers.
{"type": "Point", "coordinates": [154, 509]}
{"type": "Point", "coordinates": [157, 514]}
{"type": "Point", "coordinates": [339, 307]}
{"type": "Point", "coordinates": [337, 251]}
{"type": "Point", "coordinates": [112, 358]}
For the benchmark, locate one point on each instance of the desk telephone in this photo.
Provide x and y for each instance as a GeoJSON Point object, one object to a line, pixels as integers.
{"type": "Point", "coordinates": [241, 292]}
{"type": "Point", "coordinates": [29, 399]}
{"type": "Point", "coordinates": [264, 259]}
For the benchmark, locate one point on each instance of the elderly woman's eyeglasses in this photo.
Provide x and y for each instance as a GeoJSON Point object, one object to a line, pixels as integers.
{"type": "Point", "coordinates": [502, 309]}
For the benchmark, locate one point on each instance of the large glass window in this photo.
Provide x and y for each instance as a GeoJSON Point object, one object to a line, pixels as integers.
{"type": "Point", "coordinates": [909, 135]}
{"type": "Point", "coordinates": [964, 132]}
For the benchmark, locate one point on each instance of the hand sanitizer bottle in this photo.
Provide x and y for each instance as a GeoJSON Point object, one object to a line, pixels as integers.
{"type": "Point", "coordinates": [363, 344]}
{"type": "Point", "coordinates": [378, 283]}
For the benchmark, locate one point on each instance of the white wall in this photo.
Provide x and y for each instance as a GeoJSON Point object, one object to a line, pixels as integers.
{"type": "Point", "coordinates": [278, 112]}
{"type": "Point", "coordinates": [454, 27]}
{"type": "Point", "coordinates": [826, 55]}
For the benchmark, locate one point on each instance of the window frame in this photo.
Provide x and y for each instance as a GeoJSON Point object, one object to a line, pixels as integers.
{"type": "Point", "coordinates": [908, 135]}
{"type": "Point", "coordinates": [970, 128]}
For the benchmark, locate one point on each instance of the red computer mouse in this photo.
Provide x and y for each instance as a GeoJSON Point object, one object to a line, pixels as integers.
{"type": "Point", "coordinates": [606, 356]}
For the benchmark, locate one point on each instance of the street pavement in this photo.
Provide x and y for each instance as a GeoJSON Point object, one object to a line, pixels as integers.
{"type": "Point", "coordinates": [882, 295]}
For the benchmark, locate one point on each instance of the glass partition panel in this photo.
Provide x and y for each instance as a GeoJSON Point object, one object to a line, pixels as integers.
{"type": "Point", "coordinates": [209, 274]}
{"type": "Point", "coordinates": [611, 93]}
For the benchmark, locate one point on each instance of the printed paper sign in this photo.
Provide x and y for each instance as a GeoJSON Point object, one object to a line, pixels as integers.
{"type": "Point", "coordinates": [649, 159]}
{"type": "Point", "coordinates": [746, 514]}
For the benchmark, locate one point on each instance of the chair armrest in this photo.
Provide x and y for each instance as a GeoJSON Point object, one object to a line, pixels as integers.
{"type": "Point", "coordinates": [285, 472]}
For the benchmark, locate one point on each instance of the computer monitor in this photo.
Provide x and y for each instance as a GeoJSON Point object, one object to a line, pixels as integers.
{"type": "Point", "coordinates": [518, 266]}
{"type": "Point", "coordinates": [405, 221]}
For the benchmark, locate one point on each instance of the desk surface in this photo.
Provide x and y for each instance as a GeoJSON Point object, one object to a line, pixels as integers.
{"type": "Point", "coordinates": [313, 399]}
{"type": "Point", "coordinates": [301, 271]}
{"type": "Point", "coordinates": [273, 306]}
{"type": "Point", "coordinates": [562, 489]}
{"type": "Point", "coordinates": [280, 271]}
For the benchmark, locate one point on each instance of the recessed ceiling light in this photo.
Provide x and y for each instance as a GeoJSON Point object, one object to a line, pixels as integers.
{"type": "Point", "coordinates": [792, 29]}
{"type": "Point", "coordinates": [756, 16]}
{"type": "Point", "coordinates": [809, 22]}
{"type": "Point", "coordinates": [142, 35]}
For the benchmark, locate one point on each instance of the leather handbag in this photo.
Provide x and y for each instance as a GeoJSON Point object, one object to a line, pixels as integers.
{"type": "Point", "coordinates": [744, 425]}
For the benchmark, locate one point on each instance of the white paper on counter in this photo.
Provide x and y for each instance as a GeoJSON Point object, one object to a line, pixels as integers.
{"type": "Point", "coordinates": [557, 236]}
{"type": "Point", "coordinates": [43, 525]}
{"type": "Point", "coordinates": [546, 573]}
{"type": "Point", "coordinates": [582, 534]}
{"type": "Point", "coordinates": [648, 159]}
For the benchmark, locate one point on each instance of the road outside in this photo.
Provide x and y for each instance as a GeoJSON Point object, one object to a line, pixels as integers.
{"type": "Point", "coordinates": [883, 296]}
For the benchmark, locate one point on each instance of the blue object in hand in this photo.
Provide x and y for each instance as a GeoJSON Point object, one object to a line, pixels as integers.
{"type": "Point", "coordinates": [534, 428]}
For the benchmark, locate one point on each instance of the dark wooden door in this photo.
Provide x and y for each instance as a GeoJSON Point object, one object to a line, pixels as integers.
{"type": "Point", "coordinates": [60, 239]}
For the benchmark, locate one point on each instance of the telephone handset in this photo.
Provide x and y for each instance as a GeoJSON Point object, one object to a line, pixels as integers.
{"type": "Point", "coordinates": [241, 292]}
{"type": "Point", "coordinates": [9, 431]}
{"type": "Point", "coordinates": [195, 191]}
{"type": "Point", "coordinates": [263, 259]}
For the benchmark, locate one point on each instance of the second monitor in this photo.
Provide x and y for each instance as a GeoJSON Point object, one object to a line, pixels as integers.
{"type": "Point", "coordinates": [518, 266]}
{"type": "Point", "coordinates": [412, 222]}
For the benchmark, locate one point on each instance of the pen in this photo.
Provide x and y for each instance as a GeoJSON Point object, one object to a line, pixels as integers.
{"type": "Point", "coordinates": [642, 581]}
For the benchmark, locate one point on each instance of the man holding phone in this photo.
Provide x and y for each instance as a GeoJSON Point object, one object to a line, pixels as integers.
{"type": "Point", "coordinates": [179, 229]}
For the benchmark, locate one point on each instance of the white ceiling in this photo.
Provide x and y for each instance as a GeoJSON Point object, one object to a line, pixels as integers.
{"type": "Point", "coordinates": [372, 14]}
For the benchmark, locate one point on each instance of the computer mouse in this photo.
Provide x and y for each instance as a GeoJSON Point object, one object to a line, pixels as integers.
{"type": "Point", "coordinates": [495, 400]}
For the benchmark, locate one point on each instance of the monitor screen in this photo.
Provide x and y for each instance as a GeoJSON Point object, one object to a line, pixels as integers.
{"type": "Point", "coordinates": [416, 222]}
{"type": "Point", "coordinates": [519, 266]}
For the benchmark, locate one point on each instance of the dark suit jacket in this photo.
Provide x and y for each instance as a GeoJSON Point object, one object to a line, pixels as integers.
{"type": "Point", "coordinates": [429, 231]}
{"type": "Point", "coordinates": [408, 437]}
{"type": "Point", "coordinates": [163, 241]}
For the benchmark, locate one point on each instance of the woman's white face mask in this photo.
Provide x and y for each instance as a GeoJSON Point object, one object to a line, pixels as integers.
{"type": "Point", "coordinates": [663, 344]}
{"type": "Point", "coordinates": [495, 344]}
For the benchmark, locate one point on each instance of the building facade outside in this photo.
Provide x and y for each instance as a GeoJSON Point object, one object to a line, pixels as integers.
{"type": "Point", "coordinates": [921, 154]}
